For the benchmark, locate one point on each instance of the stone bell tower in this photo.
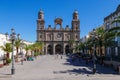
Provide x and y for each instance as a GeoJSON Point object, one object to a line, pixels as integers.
{"type": "Point", "coordinates": [75, 25]}
{"type": "Point", "coordinates": [75, 21]}
{"type": "Point", "coordinates": [40, 26]}
{"type": "Point", "coordinates": [40, 21]}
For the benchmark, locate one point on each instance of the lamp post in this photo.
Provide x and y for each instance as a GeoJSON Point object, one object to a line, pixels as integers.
{"type": "Point", "coordinates": [13, 38]}
{"type": "Point", "coordinates": [22, 55]}
{"type": "Point", "coordinates": [86, 46]}
{"type": "Point", "coordinates": [94, 61]}
{"type": "Point", "coordinates": [94, 58]}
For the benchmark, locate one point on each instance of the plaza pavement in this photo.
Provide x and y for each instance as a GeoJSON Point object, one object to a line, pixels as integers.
{"type": "Point", "coordinates": [49, 67]}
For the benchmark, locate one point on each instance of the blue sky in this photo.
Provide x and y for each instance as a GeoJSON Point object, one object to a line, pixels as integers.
{"type": "Point", "coordinates": [22, 14]}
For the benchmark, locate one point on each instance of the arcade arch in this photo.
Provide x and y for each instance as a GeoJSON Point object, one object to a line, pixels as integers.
{"type": "Point", "coordinates": [67, 49]}
{"type": "Point", "coordinates": [49, 49]}
{"type": "Point", "coordinates": [58, 49]}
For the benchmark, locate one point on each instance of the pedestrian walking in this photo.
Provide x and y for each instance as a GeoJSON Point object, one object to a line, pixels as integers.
{"type": "Point", "coordinates": [61, 56]}
{"type": "Point", "coordinates": [57, 56]}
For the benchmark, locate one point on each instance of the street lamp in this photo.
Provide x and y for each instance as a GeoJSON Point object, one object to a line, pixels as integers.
{"type": "Point", "coordinates": [94, 58]}
{"type": "Point", "coordinates": [94, 61]}
{"type": "Point", "coordinates": [86, 38]}
{"type": "Point", "coordinates": [22, 54]}
{"type": "Point", "coordinates": [13, 38]}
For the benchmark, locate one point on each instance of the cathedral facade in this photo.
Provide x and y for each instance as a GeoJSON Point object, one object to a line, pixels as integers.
{"type": "Point", "coordinates": [57, 40]}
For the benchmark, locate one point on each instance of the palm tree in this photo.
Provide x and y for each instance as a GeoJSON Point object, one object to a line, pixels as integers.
{"type": "Point", "coordinates": [7, 48]}
{"type": "Point", "coordinates": [77, 48]}
{"type": "Point", "coordinates": [100, 33]}
{"type": "Point", "coordinates": [18, 43]}
{"type": "Point", "coordinates": [108, 39]}
{"type": "Point", "coordinates": [89, 43]}
{"type": "Point", "coordinates": [81, 46]}
{"type": "Point", "coordinates": [104, 39]}
{"type": "Point", "coordinates": [38, 47]}
{"type": "Point", "coordinates": [101, 40]}
{"type": "Point", "coordinates": [27, 47]}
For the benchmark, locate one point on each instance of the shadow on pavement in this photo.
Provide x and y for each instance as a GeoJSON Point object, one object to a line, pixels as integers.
{"type": "Point", "coordinates": [86, 68]}
{"type": "Point", "coordinates": [74, 71]}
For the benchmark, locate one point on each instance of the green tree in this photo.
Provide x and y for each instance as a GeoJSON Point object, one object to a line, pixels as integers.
{"type": "Point", "coordinates": [17, 44]}
{"type": "Point", "coordinates": [27, 47]}
{"type": "Point", "coordinates": [100, 34]}
{"type": "Point", "coordinates": [80, 46]}
{"type": "Point", "coordinates": [37, 48]}
{"type": "Point", "coordinates": [89, 44]}
{"type": "Point", "coordinates": [7, 48]}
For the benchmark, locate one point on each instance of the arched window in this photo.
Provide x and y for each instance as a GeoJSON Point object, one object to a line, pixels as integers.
{"type": "Point", "coordinates": [40, 36]}
{"type": "Point", "coordinates": [49, 37]}
{"type": "Point", "coordinates": [76, 36]}
{"type": "Point", "coordinates": [76, 17]}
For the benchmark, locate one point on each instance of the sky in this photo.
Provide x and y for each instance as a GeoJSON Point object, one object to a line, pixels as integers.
{"type": "Point", "coordinates": [22, 14]}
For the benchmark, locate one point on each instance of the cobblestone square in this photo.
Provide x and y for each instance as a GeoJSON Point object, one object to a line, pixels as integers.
{"type": "Point", "coordinates": [49, 67]}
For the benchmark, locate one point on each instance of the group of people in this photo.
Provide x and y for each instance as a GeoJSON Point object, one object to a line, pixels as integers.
{"type": "Point", "coordinates": [58, 56]}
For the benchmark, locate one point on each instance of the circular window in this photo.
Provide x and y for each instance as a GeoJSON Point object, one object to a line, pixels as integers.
{"type": "Point", "coordinates": [58, 35]}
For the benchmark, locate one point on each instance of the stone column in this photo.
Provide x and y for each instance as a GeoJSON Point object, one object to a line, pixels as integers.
{"type": "Point", "coordinates": [63, 49]}
{"type": "Point", "coordinates": [54, 49]}
{"type": "Point", "coordinates": [63, 38]}
{"type": "Point", "coordinates": [45, 49]}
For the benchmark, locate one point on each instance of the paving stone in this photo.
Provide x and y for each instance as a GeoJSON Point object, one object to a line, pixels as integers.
{"type": "Point", "coordinates": [47, 67]}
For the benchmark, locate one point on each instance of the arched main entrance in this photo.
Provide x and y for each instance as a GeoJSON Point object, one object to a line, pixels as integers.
{"type": "Point", "coordinates": [49, 50]}
{"type": "Point", "coordinates": [58, 49]}
{"type": "Point", "coordinates": [67, 49]}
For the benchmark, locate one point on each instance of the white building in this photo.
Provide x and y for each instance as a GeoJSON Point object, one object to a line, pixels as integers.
{"type": "Point", "coordinates": [108, 22]}
{"type": "Point", "coordinates": [4, 40]}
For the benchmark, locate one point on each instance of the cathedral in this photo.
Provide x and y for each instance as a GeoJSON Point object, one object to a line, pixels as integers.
{"type": "Point", "coordinates": [57, 40]}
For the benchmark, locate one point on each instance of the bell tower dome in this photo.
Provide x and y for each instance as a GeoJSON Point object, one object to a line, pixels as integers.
{"type": "Point", "coordinates": [40, 21]}
{"type": "Point", "coordinates": [75, 21]}
{"type": "Point", "coordinates": [40, 14]}
{"type": "Point", "coordinates": [75, 15]}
